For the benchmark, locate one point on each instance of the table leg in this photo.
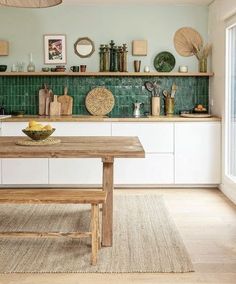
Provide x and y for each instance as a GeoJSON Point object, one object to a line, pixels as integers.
{"type": "Point", "coordinates": [107, 210]}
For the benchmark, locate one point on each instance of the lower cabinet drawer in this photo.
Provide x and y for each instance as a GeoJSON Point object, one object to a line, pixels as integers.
{"type": "Point", "coordinates": [75, 171]}
{"type": "Point", "coordinates": [25, 171]}
{"type": "Point", "coordinates": [153, 169]}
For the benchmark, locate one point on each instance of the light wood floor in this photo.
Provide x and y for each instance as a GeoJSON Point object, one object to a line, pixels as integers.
{"type": "Point", "coordinates": [207, 222]}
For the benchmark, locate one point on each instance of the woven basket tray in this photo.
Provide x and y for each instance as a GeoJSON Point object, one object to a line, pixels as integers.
{"type": "Point", "coordinates": [30, 142]}
{"type": "Point", "coordinates": [99, 101]}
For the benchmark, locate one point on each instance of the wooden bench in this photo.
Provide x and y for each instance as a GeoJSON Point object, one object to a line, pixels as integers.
{"type": "Point", "coordinates": [58, 196]}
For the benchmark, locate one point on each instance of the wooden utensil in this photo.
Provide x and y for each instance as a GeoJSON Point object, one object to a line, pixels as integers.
{"type": "Point", "coordinates": [66, 103]}
{"type": "Point", "coordinates": [173, 90]}
{"type": "Point", "coordinates": [48, 100]}
{"type": "Point", "coordinates": [45, 97]}
{"type": "Point", "coordinates": [55, 107]}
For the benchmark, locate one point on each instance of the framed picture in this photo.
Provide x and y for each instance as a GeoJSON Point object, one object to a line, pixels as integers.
{"type": "Point", "coordinates": [54, 49]}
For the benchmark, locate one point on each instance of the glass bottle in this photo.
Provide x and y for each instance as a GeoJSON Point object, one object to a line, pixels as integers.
{"type": "Point", "coordinates": [31, 66]}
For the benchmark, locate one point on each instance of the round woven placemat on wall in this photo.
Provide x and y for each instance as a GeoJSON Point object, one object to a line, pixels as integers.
{"type": "Point", "coordinates": [184, 38]}
{"type": "Point", "coordinates": [30, 142]}
{"type": "Point", "coordinates": [99, 101]}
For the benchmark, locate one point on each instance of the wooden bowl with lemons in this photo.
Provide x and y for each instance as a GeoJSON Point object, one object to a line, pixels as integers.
{"type": "Point", "coordinates": [37, 131]}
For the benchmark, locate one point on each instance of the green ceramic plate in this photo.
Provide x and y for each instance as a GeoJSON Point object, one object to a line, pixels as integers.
{"type": "Point", "coordinates": [164, 62]}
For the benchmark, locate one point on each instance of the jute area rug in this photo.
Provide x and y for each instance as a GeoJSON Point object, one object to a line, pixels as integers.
{"type": "Point", "coordinates": [145, 239]}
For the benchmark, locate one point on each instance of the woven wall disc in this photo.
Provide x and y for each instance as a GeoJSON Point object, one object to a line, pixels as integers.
{"type": "Point", "coordinates": [183, 40]}
{"type": "Point", "coordinates": [99, 101]}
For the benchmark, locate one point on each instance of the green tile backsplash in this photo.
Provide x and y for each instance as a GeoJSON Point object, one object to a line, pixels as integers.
{"type": "Point", "coordinates": [21, 92]}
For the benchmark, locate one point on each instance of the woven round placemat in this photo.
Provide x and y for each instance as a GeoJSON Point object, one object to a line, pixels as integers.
{"type": "Point", "coordinates": [29, 142]}
{"type": "Point", "coordinates": [99, 101]}
{"type": "Point", "coordinates": [184, 39]}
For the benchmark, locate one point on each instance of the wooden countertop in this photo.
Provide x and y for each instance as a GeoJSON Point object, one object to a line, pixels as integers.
{"type": "Point", "coordinates": [90, 118]}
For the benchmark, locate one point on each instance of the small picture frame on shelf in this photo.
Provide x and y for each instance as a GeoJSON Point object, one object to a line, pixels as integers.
{"type": "Point", "coordinates": [55, 49]}
{"type": "Point", "coordinates": [139, 47]}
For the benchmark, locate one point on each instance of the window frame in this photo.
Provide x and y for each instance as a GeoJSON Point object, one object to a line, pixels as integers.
{"type": "Point", "coordinates": [228, 111]}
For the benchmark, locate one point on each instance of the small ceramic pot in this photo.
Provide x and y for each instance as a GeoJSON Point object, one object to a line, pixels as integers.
{"type": "Point", "coordinates": [183, 69]}
{"type": "Point", "coordinates": [137, 65]}
{"type": "Point", "coordinates": [83, 68]}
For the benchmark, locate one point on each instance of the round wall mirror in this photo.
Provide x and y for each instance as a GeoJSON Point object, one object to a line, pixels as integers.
{"type": "Point", "coordinates": [84, 47]}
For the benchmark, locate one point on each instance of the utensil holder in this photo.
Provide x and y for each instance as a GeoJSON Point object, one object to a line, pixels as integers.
{"type": "Point", "coordinates": [202, 65]}
{"type": "Point", "coordinates": [169, 106]}
{"type": "Point", "coordinates": [156, 106]}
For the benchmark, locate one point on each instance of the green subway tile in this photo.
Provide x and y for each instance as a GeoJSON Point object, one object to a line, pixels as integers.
{"type": "Point", "coordinates": [22, 92]}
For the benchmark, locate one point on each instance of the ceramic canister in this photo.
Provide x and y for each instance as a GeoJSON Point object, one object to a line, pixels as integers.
{"type": "Point", "coordinates": [183, 69]}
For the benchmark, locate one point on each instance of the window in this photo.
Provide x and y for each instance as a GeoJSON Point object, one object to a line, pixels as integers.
{"type": "Point", "coordinates": [231, 102]}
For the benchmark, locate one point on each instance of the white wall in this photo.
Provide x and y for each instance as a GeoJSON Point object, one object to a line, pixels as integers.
{"type": "Point", "coordinates": [220, 12]}
{"type": "Point", "coordinates": [24, 28]}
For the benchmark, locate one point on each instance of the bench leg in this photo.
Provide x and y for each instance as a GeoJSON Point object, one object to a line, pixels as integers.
{"type": "Point", "coordinates": [95, 228]}
{"type": "Point", "coordinates": [99, 230]}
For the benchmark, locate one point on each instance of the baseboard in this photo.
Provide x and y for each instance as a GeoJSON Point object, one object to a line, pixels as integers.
{"type": "Point", "coordinates": [116, 186]}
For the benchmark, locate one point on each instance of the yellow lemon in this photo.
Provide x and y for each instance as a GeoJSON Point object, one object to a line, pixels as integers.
{"type": "Point", "coordinates": [48, 127]}
{"type": "Point", "coordinates": [32, 123]}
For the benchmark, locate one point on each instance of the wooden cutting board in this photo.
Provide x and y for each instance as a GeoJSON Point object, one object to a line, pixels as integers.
{"type": "Point", "coordinates": [55, 107]}
{"type": "Point", "coordinates": [45, 97]}
{"type": "Point", "coordinates": [196, 115]}
{"type": "Point", "coordinates": [66, 103]}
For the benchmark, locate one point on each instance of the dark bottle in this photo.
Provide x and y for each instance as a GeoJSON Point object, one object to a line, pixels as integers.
{"type": "Point", "coordinates": [112, 56]}
{"type": "Point", "coordinates": [120, 58]}
{"type": "Point", "coordinates": [106, 63]}
{"type": "Point", "coordinates": [115, 58]}
{"type": "Point", "coordinates": [101, 53]}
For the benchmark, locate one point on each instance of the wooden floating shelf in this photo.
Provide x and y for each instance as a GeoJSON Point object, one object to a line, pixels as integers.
{"type": "Point", "coordinates": [110, 74]}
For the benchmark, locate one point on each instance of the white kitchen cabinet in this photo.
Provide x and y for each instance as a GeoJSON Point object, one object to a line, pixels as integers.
{"type": "Point", "coordinates": [82, 128]}
{"type": "Point", "coordinates": [13, 128]}
{"type": "Point", "coordinates": [155, 137]}
{"type": "Point", "coordinates": [176, 153]}
{"type": "Point", "coordinates": [75, 171]}
{"type": "Point", "coordinates": [154, 169]}
{"type": "Point", "coordinates": [158, 165]}
{"type": "Point", "coordinates": [78, 171]}
{"type": "Point", "coordinates": [24, 171]}
{"type": "Point", "coordinates": [197, 153]}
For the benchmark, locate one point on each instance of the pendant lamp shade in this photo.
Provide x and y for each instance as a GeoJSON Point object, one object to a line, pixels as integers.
{"type": "Point", "coordinates": [30, 3]}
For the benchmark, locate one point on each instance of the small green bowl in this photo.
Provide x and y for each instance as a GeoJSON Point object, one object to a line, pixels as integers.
{"type": "Point", "coordinates": [45, 69]}
{"type": "Point", "coordinates": [38, 135]}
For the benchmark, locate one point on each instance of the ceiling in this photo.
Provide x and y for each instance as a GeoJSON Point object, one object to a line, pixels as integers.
{"type": "Point", "coordinates": [176, 2]}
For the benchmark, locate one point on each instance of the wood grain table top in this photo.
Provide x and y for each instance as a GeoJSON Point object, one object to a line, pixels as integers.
{"type": "Point", "coordinates": [75, 147]}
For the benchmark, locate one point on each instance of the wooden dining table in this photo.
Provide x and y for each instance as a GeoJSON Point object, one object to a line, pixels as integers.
{"type": "Point", "coordinates": [106, 148]}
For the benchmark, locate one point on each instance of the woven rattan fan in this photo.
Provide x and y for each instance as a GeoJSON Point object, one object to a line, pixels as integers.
{"type": "Point", "coordinates": [184, 39]}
